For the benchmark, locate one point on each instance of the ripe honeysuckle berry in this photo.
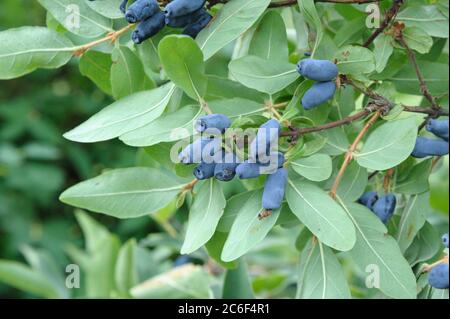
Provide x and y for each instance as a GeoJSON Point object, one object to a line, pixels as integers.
{"type": "Point", "coordinates": [265, 140]}
{"type": "Point", "coordinates": [142, 10]}
{"type": "Point", "coordinates": [438, 277]}
{"type": "Point", "coordinates": [194, 29]}
{"type": "Point", "coordinates": [212, 121]}
{"type": "Point", "coordinates": [203, 149]}
{"type": "Point", "coordinates": [123, 6]}
{"type": "Point", "coordinates": [225, 170]}
{"type": "Point", "coordinates": [318, 94]}
{"type": "Point", "coordinates": [429, 147]}
{"type": "Point", "coordinates": [178, 8]}
{"type": "Point", "coordinates": [148, 28]}
{"type": "Point", "coordinates": [445, 240]}
{"type": "Point", "coordinates": [251, 169]}
{"type": "Point", "coordinates": [274, 189]}
{"type": "Point", "coordinates": [183, 21]}
{"type": "Point", "coordinates": [317, 70]}
{"type": "Point", "coordinates": [181, 260]}
{"type": "Point", "coordinates": [368, 199]}
{"type": "Point", "coordinates": [204, 171]}
{"type": "Point", "coordinates": [384, 207]}
{"type": "Point", "coordinates": [248, 170]}
{"type": "Point", "coordinates": [438, 128]}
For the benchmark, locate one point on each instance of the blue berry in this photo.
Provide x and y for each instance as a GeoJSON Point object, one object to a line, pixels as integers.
{"type": "Point", "coordinates": [427, 147]}
{"type": "Point", "coordinates": [251, 169]}
{"type": "Point", "coordinates": [194, 29]}
{"type": "Point", "coordinates": [204, 171]}
{"type": "Point", "coordinates": [148, 28]}
{"type": "Point", "coordinates": [181, 260]}
{"type": "Point", "coordinates": [202, 150]}
{"type": "Point", "coordinates": [265, 139]}
{"type": "Point", "coordinates": [142, 10]}
{"type": "Point", "coordinates": [183, 21]}
{"type": "Point", "coordinates": [368, 199]}
{"type": "Point", "coordinates": [317, 70]}
{"type": "Point", "coordinates": [248, 170]}
{"type": "Point", "coordinates": [123, 6]}
{"type": "Point", "coordinates": [445, 240]}
{"type": "Point", "coordinates": [384, 207]}
{"type": "Point", "coordinates": [438, 276]}
{"type": "Point", "coordinates": [274, 189]}
{"type": "Point", "coordinates": [438, 128]}
{"type": "Point", "coordinates": [213, 121]}
{"type": "Point", "coordinates": [178, 8]}
{"type": "Point", "coordinates": [225, 170]}
{"type": "Point", "coordinates": [318, 94]}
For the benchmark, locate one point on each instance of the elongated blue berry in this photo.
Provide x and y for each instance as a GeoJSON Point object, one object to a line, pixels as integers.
{"type": "Point", "coordinates": [368, 199]}
{"type": "Point", "coordinates": [225, 170]}
{"type": "Point", "coordinates": [148, 28]}
{"type": "Point", "coordinates": [384, 207]}
{"type": "Point", "coordinates": [438, 128]}
{"type": "Point", "coordinates": [142, 10]}
{"type": "Point", "coordinates": [123, 6]}
{"type": "Point", "coordinates": [318, 94]}
{"type": "Point", "coordinates": [438, 276]}
{"type": "Point", "coordinates": [428, 147]}
{"type": "Point", "coordinates": [202, 150]}
{"type": "Point", "coordinates": [248, 170]}
{"type": "Point", "coordinates": [183, 21]}
{"type": "Point", "coordinates": [265, 140]}
{"type": "Point", "coordinates": [213, 121]}
{"type": "Point", "coordinates": [445, 240]}
{"type": "Point", "coordinates": [317, 70]}
{"type": "Point", "coordinates": [269, 164]}
{"type": "Point", "coordinates": [204, 171]}
{"type": "Point", "coordinates": [274, 189]}
{"type": "Point", "coordinates": [194, 29]}
{"type": "Point", "coordinates": [178, 8]}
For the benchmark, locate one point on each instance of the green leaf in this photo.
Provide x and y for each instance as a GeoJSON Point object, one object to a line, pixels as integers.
{"type": "Point", "coordinates": [412, 219]}
{"type": "Point", "coordinates": [425, 246]}
{"type": "Point", "coordinates": [269, 40]}
{"type": "Point", "coordinates": [168, 128]}
{"type": "Point", "coordinates": [416, 181]}
{"type": "Point", "coordinates": [418, 40]}
{"type": "Point", "coordinates": [320, 276]}
{"type": "Point", "coordinates": [127, 74]}
{"type": "Point", "coordinates": [107, 8]}
{"type": "Point", "coordinates": [353, 183]}
{"type": "Point", "coordinates": [378, 253]}
{"type": "Point", "coordinates": [185, 282]}
{"type": "Point", "coordinates": [126, 275]}
{"type": "Point", "coordinates": [221, 88]}
{"type": "Point", "coordinates": [336, 141]}
{"type": "Point", "coordinates": [97, 67]}
{"type": "Point", "coordinates": [237, 107]}
{"type": "Point", "coordinates": [248, 230]}
{"type": "Point", "coordinates": [123, 116]}
{"type": "Point", "coordinates": [204, 215]}
{"type": "Point", "coordinates": [26, 49]}
{"type": "Point", "coordinates": [234, 205]}
{"type": "Point", "coordinates": [233, 19]}
{"type": "Point", "coordinates": [308, 9]}
{"type": "Point", "coordinates": [263, 75]}
{"type": "Point", "coordinates": [428, 18]}
{"type": "Point", "coordinates": [182, 60]}
{"type": "Point", "coordinates": [24, 278]}
{"type": "Point", "coordinates": [77, 17]}
{"type": "Point", "coordinates": [382, 51]}
{"type": "Point", "coordinates": [315, 168]}
{"type": "Point", "coordinates": [124, 193]}
{"type": "Point", "coordinates": [355, 60]}
{"type": "Point", "coordinates": [215, 247]}
{"type": "Point", "coordinates": [237, 284]}
{"type": "Point", "coordinates": [321, 214]}
{"type": "Point", "coordinates": [379, 153]}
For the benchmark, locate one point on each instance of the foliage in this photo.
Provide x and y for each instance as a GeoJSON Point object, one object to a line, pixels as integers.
{"type": "Point", "coordinates": [320, 244]}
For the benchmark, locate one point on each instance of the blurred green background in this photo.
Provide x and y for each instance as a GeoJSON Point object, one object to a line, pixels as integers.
{"type": "Point", "coordinates": [37, 164]}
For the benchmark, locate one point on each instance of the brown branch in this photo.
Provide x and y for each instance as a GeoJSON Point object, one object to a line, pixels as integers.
{"type": "Point", "coordinates": [349, 155]}
{"type": "Point", "coordinates": [388, 18]}
{"type": "Point", "coordinates": [286, 3]}
{"type": "Point", "coordinates": [423, 110]}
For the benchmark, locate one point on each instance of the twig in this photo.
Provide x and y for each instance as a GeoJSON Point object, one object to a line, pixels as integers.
{"type": "Point", "coordinates": [286, 3]}
{"type": "Point", "coordinates": [429, 111]}
{"type": "Point", "coordinates": [387, 179]}
{"type": "Point", "coordinates": [388, 17]}
{"type": "Point", "coordinates": [349, 155]}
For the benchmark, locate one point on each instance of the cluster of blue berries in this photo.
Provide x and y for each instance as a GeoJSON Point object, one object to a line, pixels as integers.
{"type": "Point", "coordinates": [439, 277]}
{"type": "Point", "coordinates": [382, 206]}
{"type": "Point", "coordinates": [433, 147]}
{"type": "Point", "coordinates": [322, 71]}
{"type": "Point", "coordinates": [187, 14]}
{"type": "Point", "coordinates": [214, 161]}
